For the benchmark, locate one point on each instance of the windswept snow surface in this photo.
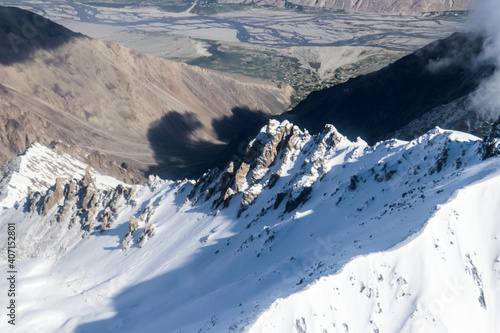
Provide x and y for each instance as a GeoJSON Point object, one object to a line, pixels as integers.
{"type": "Point", "coordinates": [444, 279]}
{"type": "Point", "coordinates": [398, 237]}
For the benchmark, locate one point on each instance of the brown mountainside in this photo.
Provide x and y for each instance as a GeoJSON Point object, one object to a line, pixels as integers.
{"type": "Point", "coordinates": [151, 113]}
{"type": "Point", "coordinates": [398, 7]}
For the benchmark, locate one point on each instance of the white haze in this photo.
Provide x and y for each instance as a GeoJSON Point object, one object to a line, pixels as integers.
{"type": "Point", "coordinates": [485, 20]}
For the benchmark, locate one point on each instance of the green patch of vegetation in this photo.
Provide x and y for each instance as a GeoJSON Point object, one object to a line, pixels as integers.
{"type": "Point", "coordinates": [448, 14]}
{"type": "Point", "coordinates": [210, 8]}
{"type": "Point", "coordinates": [266, 64]}
{"type": "Point", "coordinates": [308, 10]}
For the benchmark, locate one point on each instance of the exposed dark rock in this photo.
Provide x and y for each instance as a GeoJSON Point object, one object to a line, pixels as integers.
{"type": "Point", "coordinates": [273, 180]}
{"type": "Point", "coordinates": [303, 197]}
{"type": "Point", "coordinates": [279, 199]}
{"type": "Point", "coordinates": [353, 183]}
{"type": "Point", "coordinates": [491, 143]}
{"type": "Point", "coordinates": [32, 201]}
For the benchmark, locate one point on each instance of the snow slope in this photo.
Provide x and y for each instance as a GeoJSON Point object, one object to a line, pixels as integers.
{"type": "Point", "coordinates": [445, 279]}
{"type": "Point", "coordinates": [304, 234]}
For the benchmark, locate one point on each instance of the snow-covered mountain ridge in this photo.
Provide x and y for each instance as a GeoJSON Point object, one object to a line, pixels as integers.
{"type": "Point", "coordinates": [37, 170]}
{"type": "Point", "coordinates": [304, 234]}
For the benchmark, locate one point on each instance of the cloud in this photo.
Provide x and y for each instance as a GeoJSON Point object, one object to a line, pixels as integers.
{"type": "Point", "coordinates": [485, 20]}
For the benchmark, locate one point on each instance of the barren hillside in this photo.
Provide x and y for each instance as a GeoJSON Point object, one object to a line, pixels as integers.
{"type": "Point", "coordinates": [151, 113]}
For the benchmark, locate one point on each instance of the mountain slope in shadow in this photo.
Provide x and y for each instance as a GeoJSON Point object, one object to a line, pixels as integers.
{"type": "Point", "coordinates": [376, 105]}
{"type": "Point", "coordinates": [23, 33]}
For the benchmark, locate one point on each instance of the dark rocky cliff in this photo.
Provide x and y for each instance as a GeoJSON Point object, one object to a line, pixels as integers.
{"type": "Point", "coordinates": [376, 105]}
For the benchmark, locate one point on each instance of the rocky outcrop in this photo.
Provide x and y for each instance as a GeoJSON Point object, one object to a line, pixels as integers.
{"type": "Point", "coordinates": [295, 201]}
{"type": "Point", "coordinates": [149, 232]}
{"type": "Point", "coordinates": [267, 158]}
{"type": "Point", "coordinates": [270, 150]}
{"type": "Point", "coordinates": [79, 201]}
{"type": "Point", "coordinates": [133, 225]}
{"type": "Point", "coordinates": [240, 178]}
{"type": "Point", "coordinates": [93, 208]}
{"type": "Point", "coordinates": [53, 197]}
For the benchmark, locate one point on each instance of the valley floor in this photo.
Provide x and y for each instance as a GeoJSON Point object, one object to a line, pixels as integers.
{"type": "Point", "coordinates": [307, 51]}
